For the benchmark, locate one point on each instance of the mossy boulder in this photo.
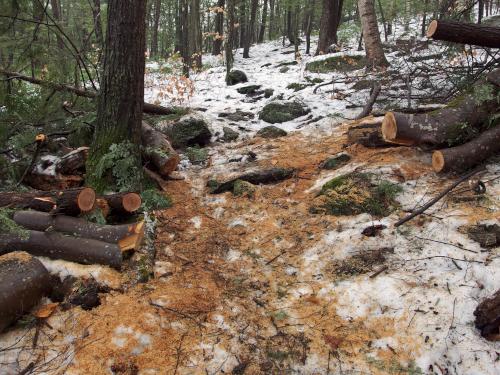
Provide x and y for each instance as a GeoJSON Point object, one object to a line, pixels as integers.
{"type": "Point", "coordinates": [344, 63]}
{"type": "Point", "coordinates": [335, 162]}
{"type": "Point", "coordinates": [244, 188]}
{"type": "Point", "coordinates": [268, 93]}
{"type": "Point", "coordinates": [271, 132]}
{"type": "Point", "coordinates": [298, 86]}
{"type": "Point", "coordinates": [278, 112]}
{"type": "Point", "coordinates": [353, 194]}
{"type": "Point", "coordinates": [237, 115]}
{"type": "Point", "coordinates": [229, 134]}
{"type": "Point", "coordinates": [189, 131]}
{"type": "Point", "coordinates": [197, 155]}
{"type": "Point", "coordinates": [236, 76]}
{"type": "Point", "coordinates": [248, 90]}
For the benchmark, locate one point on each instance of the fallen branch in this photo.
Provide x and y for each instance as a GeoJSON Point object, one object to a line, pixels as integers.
{"type": "Point", "coordinates": [148, 108]}
{"type": "Point", "coordinates": [371, 101]}
{"type": "Point", "coordinates": [438, 198]}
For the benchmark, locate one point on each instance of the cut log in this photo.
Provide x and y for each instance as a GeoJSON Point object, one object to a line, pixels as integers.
{"type": "Point", "coordinates": [468, 155]}
{"type": "Point", "coordinates": [58, 246]}
{"type": "Point", "coordinates": [24, 282]}
{"type": "Point", "coordinates": [73, 161]}
{"type": "Point", "coordinates": [158, 151]}
{"type": "Point", "coordinates": [266, 176]}
{"type": "Point", "coordinates": [41, 221]}
{"type": "Point", "coordinates": [123, 203]}
{"type": "Point", "coordinates": [35, 201]}
{"type": "Point", "coordinates": [102, 205]}
{"type": "Point", "coordinates": [466, 33]}
{"type": "Point", "coordinates": [441, 127]}
{"type": "Point", "coordinates": [148, 108]}
{"type": "Point", "coordinates": [75, 201]}
{"type": "Point", "coordinates": [487, 315]}
{"type": "Point", "coordinates": [47, 182]}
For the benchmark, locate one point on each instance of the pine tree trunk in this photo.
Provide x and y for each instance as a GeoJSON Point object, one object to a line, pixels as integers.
{"type": "Point", "coordinates": [195, 38]}
{"type": "Point", "coordinates": [230, 39]}
{"type": "Point", "coordinates": [330, 20]}
{"type": "Point", "coordinates": [219, 28]}
{"type": "Point", "coordinates": [309, 25]}
{"type": "Point", "coordinates": [121, 96]}
{"type": "Point", "coordinates": [156, 25]}
{"type": "Point", "coordinates": [373, 45]}
{"type": "Point", "coordinates": [262, 30]}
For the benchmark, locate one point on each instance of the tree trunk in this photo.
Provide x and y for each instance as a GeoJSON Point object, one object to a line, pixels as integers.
{"type": "Point", "coordinates": [466, 33]}
{"type": "Point", "coordinates": [40, 221]}
{"type": "Point", "coordinates": [121, 98]}
{"type": "Point", "coordinates": [156, 26]}
{"type": "Point", "coordinates": [57, 246]}
{"type": "Point", "coordinates": [272, 20]}
{"type": "Point", "coordinates": [309, 25]}
{"type": "Point", "coordinates": [451, 124]}
{"type": "Point", "coordinates": [330, 20]}
{"type": "Point", "coordinates": [230, 39]}
{"type": "Point", "coordinates": [373, 45]}
{"type": "Point", "coordinates": [262, 30]}
{"type": "Point", "coordinates": [468, 155]}
{"type": "Point", "coordinates": [195, 38]}
{"type": "Point", "coordinates": [96, 12]}
{"type": "Point", "coordinates": [381, 9]}
{"type": "Point", "coordinates": [250, 29]}
{"type": "Point", "coordinates": [56, 11]}
{"type": "Point", "coordinates": [480, 11]}
{"type": "Point", "coordinates": [219, 28]}
{"type": "Point", "coordinates": [24, 282]}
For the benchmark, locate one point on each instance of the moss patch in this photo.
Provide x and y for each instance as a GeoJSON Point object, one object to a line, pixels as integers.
{"type": "Point", "coordinates": [298, 86]}
{"type": "Point", "coordinates": [271, 132]}
{"type": "Point", "coordinates": [197, 155]}
{"type": "Point", "coordinates": [243, 189]}
{"type": "Point", "coordinates": [335, 162]}
{"type": "Point", "coordinates": [278, 112]}
{"type": "Point", "coordinates": [353, 194]}
{"type": "Point", "coordinates": [337, 63]}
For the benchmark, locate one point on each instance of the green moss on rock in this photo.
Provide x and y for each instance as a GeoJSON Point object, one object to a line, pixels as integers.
{"type": "Point", "coordinates": [236, 76]}
{"type": "Point", "coordinates": [243, 188]}
{"type": "Point", "coordinates": [271, 132]}
{"type": "Point", "coordinates": [353, 194]}
{"type": "Point", "coordinates": [229, 134]}
{"type": "Point", "coordinates": [278, 112]}
{"type": "Point", "coordinates": [335, 162]}
{"type": "Point", "coordinates": [250, 89]}
{"type": "Point", "coordinates": [345, 63]}
{"type": "Point", "coordinates": [197, 155]}
{"type": "Point", "coordinates": [190, 131]}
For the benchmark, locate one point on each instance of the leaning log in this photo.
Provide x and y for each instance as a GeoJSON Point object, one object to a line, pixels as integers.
{"type": "Point", "coordinates": [440, 127]}
{"type": "Point", "coordinates": [158, 151]}
{"type": "Point", "coordinates": [24, 282]}
{"type": "Point", "coordinates": [123, 203]}
{"type": "Point", "coordinates": [58, 246]}
{"type": "Point", "coordinates": [468, 155]}
{"type": "Point", "coordinates": [465, 33]}
{"type": "Point", "coordinates": [41, 221]}
{"type": "Point", "coordinates": [148, 107]}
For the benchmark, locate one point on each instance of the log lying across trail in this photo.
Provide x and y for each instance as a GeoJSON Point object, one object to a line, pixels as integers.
{"type": "Point", "coordinates": [148, 107]}
{"type": "Point", "coordinates": [440, 127]}
{"type": "Point", "coordinates": [24, 282]}
{"type": "Point", "coordinates": [466, 33]}
{"type": "Point", "coordinates": [58, 246]}
{"type": "Point", "coordinates": [70, 202]}
{"type": "Point", "coordinates": [470, 154]}
{"type": "Point", "coordinates": [41, 221]}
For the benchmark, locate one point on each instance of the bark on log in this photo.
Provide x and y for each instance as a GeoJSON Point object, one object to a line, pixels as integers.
{"type": "Point", "coordinates": [72, 161]}
{"type": "Point", "coordinates": [466, 33]}
{"type": "Point", "coordinates": [468, 155]}
{"type": "Point", "coordinates": [439, 127]}
{"type": "Point", "coordinates": [158, 151]}
{"type": "Point", "coordinates": [24, 282]}
{"type": "Point", "coordinates": [487, 315]}
{"type": "Point", "coordinates": [152, 109]}
{"type": "Point", "coordinates": [123, 203]}
{"type": "Point", "coordinates": [40, 221]}
{"type": "Point", "coordinates": [368, 135]}
{"type": "Point", "coordinates": [69, 202]}
{"type": "Point", "coordinates": [57, 246]}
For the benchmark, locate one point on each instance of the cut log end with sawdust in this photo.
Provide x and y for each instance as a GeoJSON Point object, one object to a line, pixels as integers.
{"type": "Point", "coordinates": [465, 33]}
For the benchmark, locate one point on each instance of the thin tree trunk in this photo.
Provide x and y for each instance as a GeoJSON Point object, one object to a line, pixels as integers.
{"type": "Point", "coordinates": [219, 28]}
{"type": "Point", "coordinates": [96, 12]}
{"type": "Point", "coordinates": [121, 98]}
{"type": "Point", "coordinates": [156, 26]}
{"type": "Point", "coordinates": [56, 11]}
{"type": "Point", "coordinates": [480, 11]}
{"type": "Point", "coordinates": [262, 30]}
{"type": "Point", "coordinates": [250, 32]}
{"type": "Point", "coordinates": [229, 43]}
{"type": "Point", "coordinates": [373, 45]}
{"type": "Point", "coordinates": [383, 19]}
{"type": "Point", "coordinates": [309, 25]}
{"type": "Point", "coordinates": [272, 20]}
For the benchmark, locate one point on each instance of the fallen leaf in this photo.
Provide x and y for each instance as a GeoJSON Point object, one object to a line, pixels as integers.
{"type": "Point", "coordinates": [46, 310]}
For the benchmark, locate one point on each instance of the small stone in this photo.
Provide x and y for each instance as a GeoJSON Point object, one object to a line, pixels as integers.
{"type": "Point", "coordinates": [229, 134]}
{"type": "Point", "coordinates": [247, 90]}
{"type": "Point", "coordinates": [335, 162]}
{"type": "Point", "coordinates": [271, 132]}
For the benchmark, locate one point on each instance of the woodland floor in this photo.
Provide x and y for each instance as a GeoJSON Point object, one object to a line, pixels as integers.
{"type": "Point", "coordinates": [251, 285]}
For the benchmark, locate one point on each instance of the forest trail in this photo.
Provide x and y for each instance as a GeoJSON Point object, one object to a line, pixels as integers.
{"type": "Point", "coordinates": [258, 284]}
